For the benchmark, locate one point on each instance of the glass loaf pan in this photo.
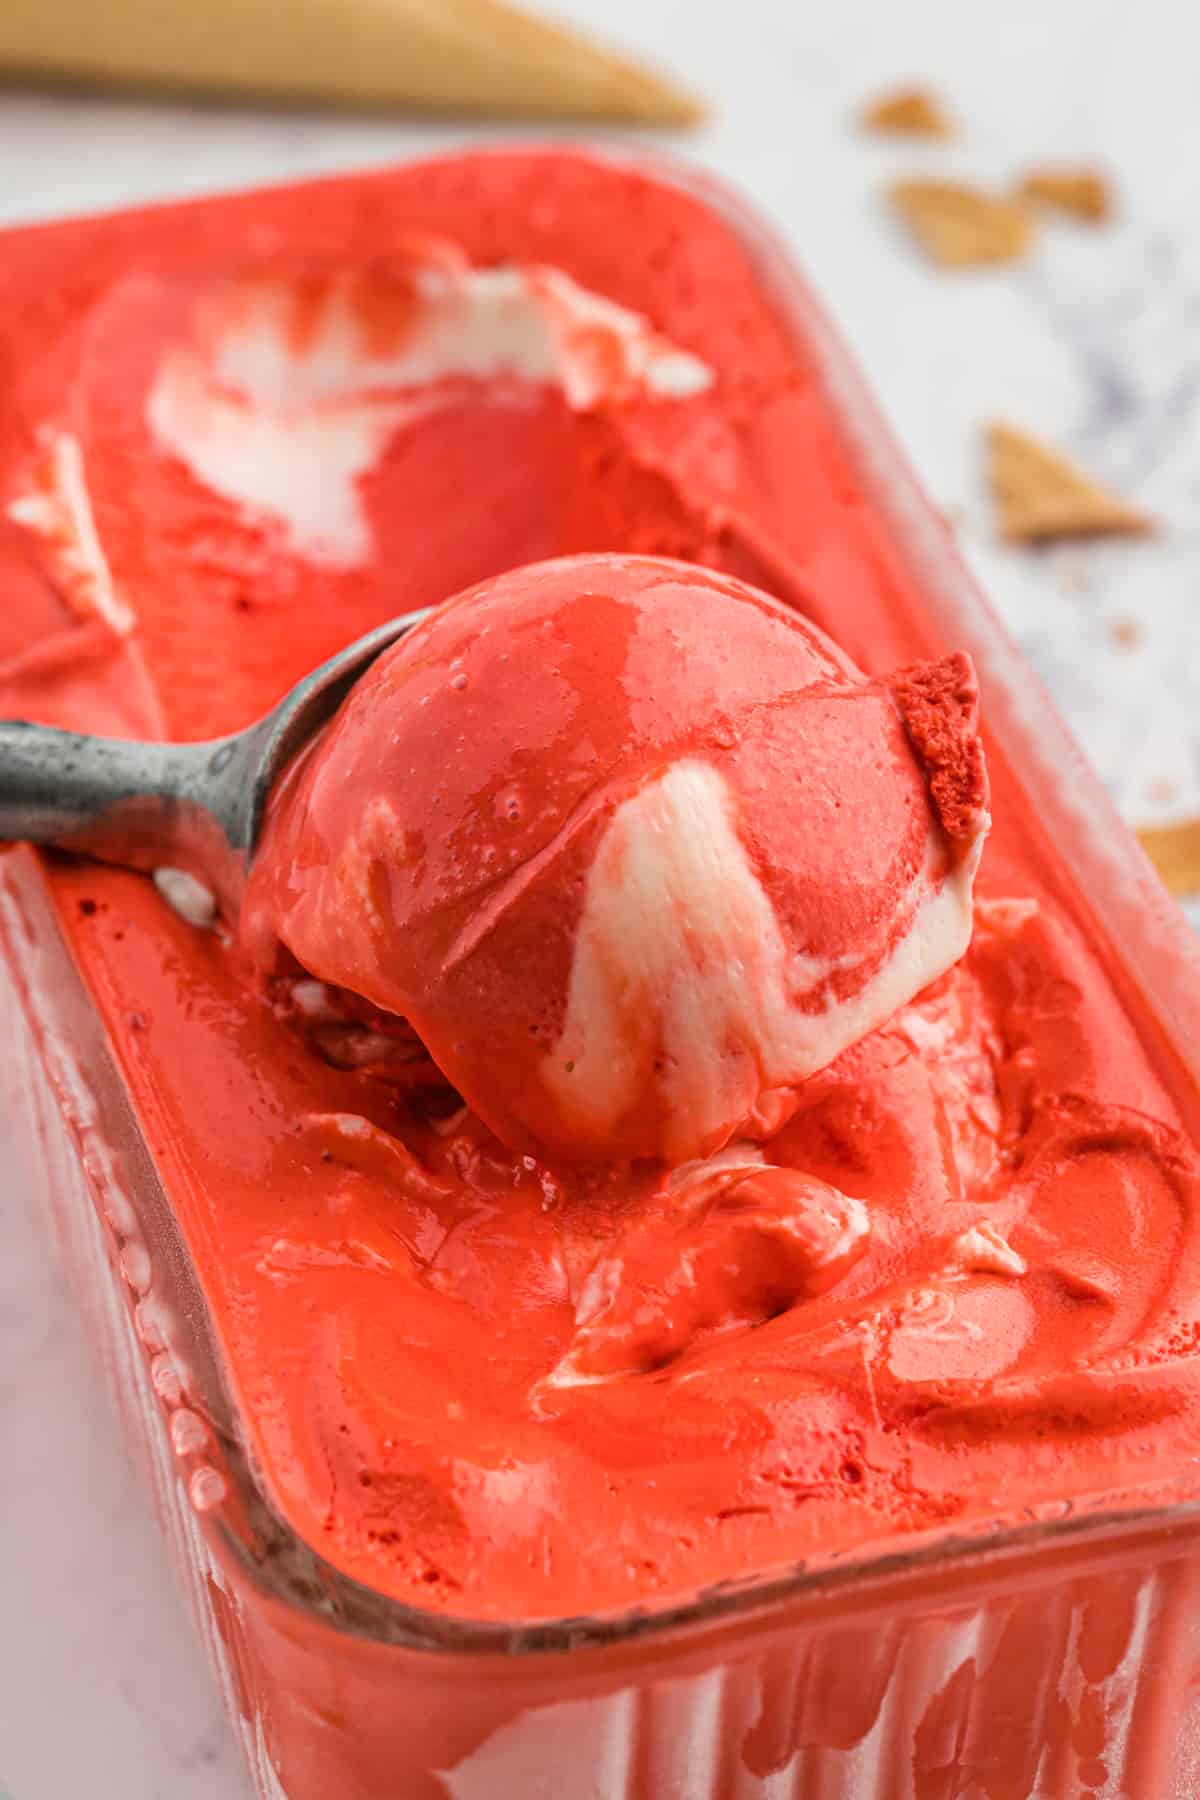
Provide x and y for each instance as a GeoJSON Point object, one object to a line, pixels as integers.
{"type": "Point", "coordinates": [1056, 1657]}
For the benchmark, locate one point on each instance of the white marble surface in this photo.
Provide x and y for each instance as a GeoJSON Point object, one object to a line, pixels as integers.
{"type": "Point", "coordinates": [1096, 342]}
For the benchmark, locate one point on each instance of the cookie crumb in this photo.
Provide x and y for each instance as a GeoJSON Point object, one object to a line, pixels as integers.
{"type": "Point", "coordinates": [960, 227]}
{"type": "Point", "coordinates": [911, 111]}
{"type": "Point", "coordinates": [1083, 193]}
{"type": "Point", "coordinates": [1041, 496]}
{"type": "Point", "coordinates": [1175, 852]}
{"type": "Point", "coordinates": [1126, 632]}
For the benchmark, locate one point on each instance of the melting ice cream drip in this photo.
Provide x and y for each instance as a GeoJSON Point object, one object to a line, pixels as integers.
{"type": "Point", "coordinates": [681, 977]}
{"type": "Point", "coordinates": [287, 397]}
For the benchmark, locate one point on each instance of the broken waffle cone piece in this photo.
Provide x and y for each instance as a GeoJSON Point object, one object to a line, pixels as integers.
{"type": "Point", "coordinates": [1084, 193]}
{"type": "Point", "coordinates": [960, 226]}
{"type": "Point", "coordinates": [463, 56]}
{"type": "Point", "coordinates": [1041, 496]}
{"type": "Point", "coordinates": [1175, 852]}
{"type": "Point", "coordinates": [909, 111]}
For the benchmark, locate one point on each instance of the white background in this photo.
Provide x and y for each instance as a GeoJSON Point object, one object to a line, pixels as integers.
{"type": "Point", "coordinates": [1096, 342]}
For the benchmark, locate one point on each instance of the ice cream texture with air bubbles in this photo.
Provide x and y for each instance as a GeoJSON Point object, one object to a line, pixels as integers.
{"type": "Point", "coordinates": [951, 1276]}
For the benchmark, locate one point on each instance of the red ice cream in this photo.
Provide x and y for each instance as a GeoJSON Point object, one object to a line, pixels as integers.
{"type": "Point", "coordinates": [960, 1279]}
{"type": "Point", "coordinates": [633, 848]}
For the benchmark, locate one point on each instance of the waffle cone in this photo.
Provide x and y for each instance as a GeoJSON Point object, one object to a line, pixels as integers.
{"type": "Point", "coordinates": [1175, 852]}
{"type": "Point", "coordinates": [462, 56]}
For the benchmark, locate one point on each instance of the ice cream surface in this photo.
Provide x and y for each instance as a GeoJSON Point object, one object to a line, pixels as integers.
{"type": "Point", "coordinates": [957, 1281]}
{"type": "Point", "coordinates": [633, 848]}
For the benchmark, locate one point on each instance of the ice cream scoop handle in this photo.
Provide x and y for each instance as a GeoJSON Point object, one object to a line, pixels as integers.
{"type": "Point", "coordinates": [198, 807]}
{"type": "Point", "coordinates": [123, 801]}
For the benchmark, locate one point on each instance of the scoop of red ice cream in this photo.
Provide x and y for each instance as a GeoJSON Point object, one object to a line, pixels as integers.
{"type": "Point", "coordinates": [633, 848]}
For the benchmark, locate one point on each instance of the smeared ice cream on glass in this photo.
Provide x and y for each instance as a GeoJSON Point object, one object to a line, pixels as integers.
{"type": "Point", "coordinates": [633, 848]}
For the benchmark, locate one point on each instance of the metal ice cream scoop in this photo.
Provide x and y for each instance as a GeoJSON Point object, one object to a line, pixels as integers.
{"type": "Point", "coordinates": [197, 807]}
